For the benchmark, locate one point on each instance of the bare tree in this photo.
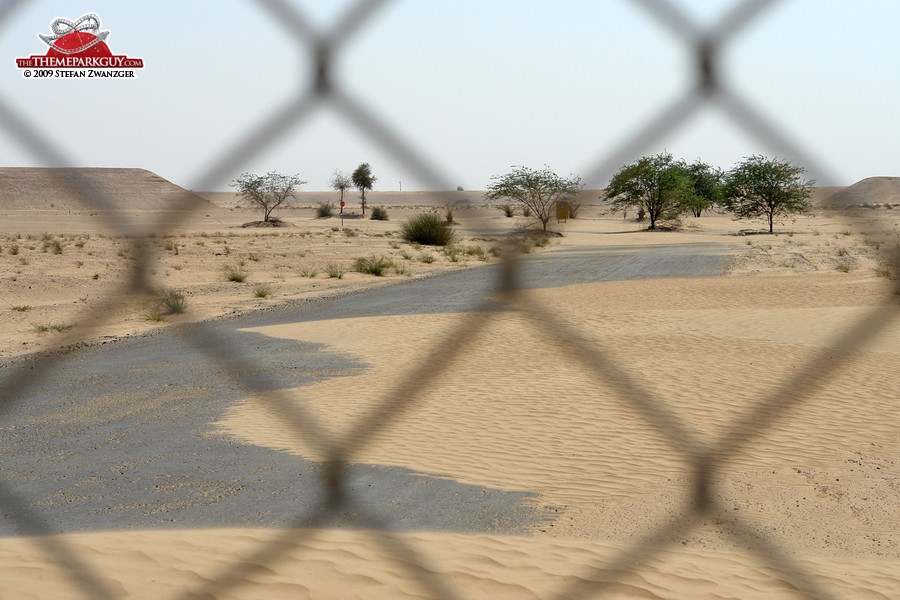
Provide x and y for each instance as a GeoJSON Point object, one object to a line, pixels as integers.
{"type": "Point", "coordinates": [340, 183]}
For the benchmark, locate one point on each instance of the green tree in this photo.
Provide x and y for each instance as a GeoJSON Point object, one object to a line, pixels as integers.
{"type": "Point", "coordinates": [707, 187]}
{"type": "Point", "coordinates": [363, 181]}
{"type": "Point", "coordinates": [658, 185]}
{"type": "Point", "coordinates": [268, 191]}
{"type": "Point", "coordinates": [764, 187]}
{"type": "Point", "coordinates": [537, 191]}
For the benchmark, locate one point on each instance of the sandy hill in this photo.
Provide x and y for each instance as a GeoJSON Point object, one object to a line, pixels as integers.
{"type": "Point", "coordinates": [124, 189]}
{"type": "Point", "coordinates": [869, 191]}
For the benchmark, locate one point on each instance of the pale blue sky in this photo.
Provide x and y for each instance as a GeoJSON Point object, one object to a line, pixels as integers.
{"type": "Point", "coordinates": [470, 86]}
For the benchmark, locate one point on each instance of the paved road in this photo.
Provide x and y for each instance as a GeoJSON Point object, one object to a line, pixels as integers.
{"type": "Point", "coordinates": [119, 436]}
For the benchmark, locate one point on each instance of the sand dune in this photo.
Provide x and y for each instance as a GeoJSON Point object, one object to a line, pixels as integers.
{"type": "Point", "coordinates": [342, 564]}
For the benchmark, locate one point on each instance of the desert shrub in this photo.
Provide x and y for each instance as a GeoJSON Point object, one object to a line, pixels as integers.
{"type": "Point", "coordinates": [13, 249]}
{"type": "Point", "coordinates": [427, 229]}
{"type": "Point", "coordinates": [44, 328]}
{"type": "Point", "coordinates": [349, 233]}
{"type": "Point", "coordinates": [373, 265]}
{"type": "Point", "coordinates": [308, 271]}
{"type": "Point", "coordinates": [335, 270]}
{"type": "Point", "coordinates": [885, 272]}
{"type": "Point", "coordinates": [324, 210]}
{"type": "Point", "coordinates": [236, 274]}
{"type": "Point", "coordinates": [379, 213]}
{"type": "Point", "coordinates": [476, 251]}
{"type": "Point", "coordinates": [174, 303]}
{"type": "Point", "coordinates": [448, 215]}
{"type": "Point", "coordinates": [508, 210]}
{"type": "Point", "coordinates": [22, 308]}
{"type": "Point", "coordinates": [54, 245]}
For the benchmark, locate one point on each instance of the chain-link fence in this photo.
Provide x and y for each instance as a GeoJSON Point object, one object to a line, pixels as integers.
{"type": "Point", "coordinates": [704, 457]}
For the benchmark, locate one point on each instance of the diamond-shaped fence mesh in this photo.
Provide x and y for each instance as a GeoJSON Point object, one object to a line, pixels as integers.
{"type": "Point", "coordinates": [590, 575]}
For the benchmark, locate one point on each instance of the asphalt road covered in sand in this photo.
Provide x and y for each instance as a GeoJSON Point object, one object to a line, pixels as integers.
{"type": "Point", "coordinates": [120, 436]}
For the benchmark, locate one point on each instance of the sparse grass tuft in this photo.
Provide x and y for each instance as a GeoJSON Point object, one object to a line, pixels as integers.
{"type": "Point", "coordinates": [308, 271]}
{"type": "Point", "coordinates": [885, 272]}
{"type": "Point", "coordinates": [44, 328]}
{"type": "Point", "coordinates": [335, 270]}
{"type": "Point", "coordinates": [235, 274]}
{"type": "Point", "coordinates": [373, 265]}
{"type": "Point", "coordinates": [22, 308]}
{"type": "Point", "coordinates": [174, 303]}
{"type": "Point", "coordinates": [261, 291]}
{"type": "Point", "coordinates": [476, 251]}
{"type": "Point", "coordinates": [426, 258]}
{"type": "Point", "coordinates": [843, 267]}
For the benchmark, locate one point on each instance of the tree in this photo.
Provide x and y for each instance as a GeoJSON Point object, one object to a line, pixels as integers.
{"type": "Point", "coordinates": [537, 191]}
{"type": "Point", "coordinates": [340, 183]}
{"type": "Point", "coordinates": [760, 186]}
{"type": "Point", "coordinates": [657, 185]}
{"type": "Point", "coordinates": [267, 191]}
{"type": "Point", "coordinates": [363, 181]}
{"type": "Point", "coordinates": [707, 187]}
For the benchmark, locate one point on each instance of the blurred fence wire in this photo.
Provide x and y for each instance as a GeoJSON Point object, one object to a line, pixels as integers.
{"type": "Point", "coordinates": [705, 45]}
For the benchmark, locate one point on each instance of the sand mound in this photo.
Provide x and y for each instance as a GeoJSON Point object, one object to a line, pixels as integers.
{"type": "Point", "coordinates": [869, 191]}
{"type": "Point", "coordinates": [92, 188]}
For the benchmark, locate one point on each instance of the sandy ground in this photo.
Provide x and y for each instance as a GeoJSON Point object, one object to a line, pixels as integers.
{"type": "Point", "coordinates": [538, 412]}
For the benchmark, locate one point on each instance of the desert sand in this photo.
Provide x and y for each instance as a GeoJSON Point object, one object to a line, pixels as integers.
{"type": "Point", "coordinates": [523, 407]}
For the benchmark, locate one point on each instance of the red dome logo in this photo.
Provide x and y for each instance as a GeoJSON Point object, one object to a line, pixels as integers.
{"type": "Point", "coordinates": [78, 44]}
{"type": "Point", "coordinates": [77, 38]}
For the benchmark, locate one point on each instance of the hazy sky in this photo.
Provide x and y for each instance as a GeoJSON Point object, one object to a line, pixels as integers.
{"type": "Point", "coordinates": [468, 87]}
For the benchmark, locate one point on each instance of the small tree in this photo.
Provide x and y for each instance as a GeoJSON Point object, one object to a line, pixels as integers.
{"type": "Point", "coordinates": [537, 191]}
{"type": "Point", "coordinates": [268, 191]}
{"type": "Point", "coordinates": [340, 183]}
{"type": "Point", "coordinates": [363, 181]}
{"type": "Point", "coordinates": [707, 187]}
{"type": "Point", "coordinates": [759, 186]}
{"type": "Point", "coordinates": [657, 186]}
